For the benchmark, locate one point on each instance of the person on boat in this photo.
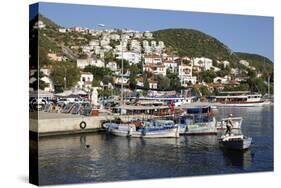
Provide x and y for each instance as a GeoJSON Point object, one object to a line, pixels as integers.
{"type": "Point", "coordinates": [229, 125]}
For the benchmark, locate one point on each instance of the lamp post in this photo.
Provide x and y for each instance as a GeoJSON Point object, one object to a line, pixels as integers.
{"type": "Point", "coordinates": [122, 67]}
{"type": "Point", "coordinates": [64, 78]}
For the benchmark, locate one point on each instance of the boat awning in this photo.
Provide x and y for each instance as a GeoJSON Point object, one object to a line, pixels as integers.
{"type": "Point", "coordinates": [41, 94]}
{"type": "Point", "coordinates": [133, 107]}
{"type": "Point", "coordinates": [200, 110]}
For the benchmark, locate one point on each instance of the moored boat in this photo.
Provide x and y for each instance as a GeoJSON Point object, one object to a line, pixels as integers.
{"type": "Point", "coordinates": [235, 142]}
{"type": "Point", "coordinates": [145, 130]}
{"type": "Point", "coordinates": [238, 99]}
{"type": "Point", "coordinates": [198, 121]}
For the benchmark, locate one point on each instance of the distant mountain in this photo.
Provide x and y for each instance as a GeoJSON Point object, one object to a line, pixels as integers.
{"type": "Point", "coordinates": [193, 43]}
{"type": "Point", "coordinates": [261, 63]}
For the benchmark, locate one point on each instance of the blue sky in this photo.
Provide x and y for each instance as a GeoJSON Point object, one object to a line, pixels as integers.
{"type": "Point", "coordinates": [252, 34]}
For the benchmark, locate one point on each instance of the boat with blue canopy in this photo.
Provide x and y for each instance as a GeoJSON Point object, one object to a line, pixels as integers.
{"type": "Point", "coordinates": [198, 120]}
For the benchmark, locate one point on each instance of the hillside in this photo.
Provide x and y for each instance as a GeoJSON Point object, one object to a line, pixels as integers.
{"type": "Point", "coordinates": [189, 42]}
{"type": "Point", "coordinates": [186, 42]}
{"type": "Point", "coordinates": [261, 63]}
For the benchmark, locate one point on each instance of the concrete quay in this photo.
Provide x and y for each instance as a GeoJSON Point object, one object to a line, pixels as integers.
{"type": "Point", "coordinates": [48, 124]}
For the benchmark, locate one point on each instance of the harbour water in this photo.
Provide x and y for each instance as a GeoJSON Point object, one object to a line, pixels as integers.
{"type": "Point", "coordinates": [99, 157]}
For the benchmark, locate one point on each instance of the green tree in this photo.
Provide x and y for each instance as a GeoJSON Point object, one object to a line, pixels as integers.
{"type": "Point", "coordinates": [208, 76]}
{"type": "Point", "coordinates": [62, 70]}
{"type": "Point", "coordinates": [108, 57]}
{"type": "Point", "coordinates": [134, 70]}
{"type": "Point", "coordinates": [174, 81]}
{"type": "Point", "coordinates": [98, 72]}
{"type": "Point", "coordinates": [126, 65]}
{"type": "Point", "coordinates": [163, 83]}
{"type": "Point", "coordinates": [96, 83]}
{"type": "Point", "coordinates": [204, 90]}
{"type": "Point", "coordinates": [195, 91]}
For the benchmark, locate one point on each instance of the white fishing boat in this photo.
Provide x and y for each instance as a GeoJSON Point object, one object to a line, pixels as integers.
{"type": "Point", "coordinates": [145, 131]}
{"type": "Point", "coordinates": [238, 99]}
{"type": "Point", "coordinates": [235, 142]}
{"type": "Point", "coordinates": [198, 121]}
{"type": "Point", "coordinates": [235, 121]}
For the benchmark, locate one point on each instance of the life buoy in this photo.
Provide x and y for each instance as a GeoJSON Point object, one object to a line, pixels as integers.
{"type": "Point", "coordinates": [83, 125]}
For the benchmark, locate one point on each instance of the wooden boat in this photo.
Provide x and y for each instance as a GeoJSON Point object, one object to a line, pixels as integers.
{"type": "Point", "coordinates": [144, 131]}
{"type": "Point", "coordinates": [198, 121]}
{"type": "Point", "coordinates": [235, 142]}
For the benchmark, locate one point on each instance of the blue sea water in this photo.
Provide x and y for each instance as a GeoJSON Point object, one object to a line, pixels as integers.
{"type": "Point", "coordinates": [66, 159]}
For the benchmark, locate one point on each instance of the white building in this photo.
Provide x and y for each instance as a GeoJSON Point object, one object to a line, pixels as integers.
{"type": "Point", "coordinates": [152, 59]}
{"type": "Point", "coordinates": [118, 79]}
{"type": "Point", "coordinates": [104, 42]}
{"type": "Point", "coordinates": [234, 71]}
{"type": "Point", "coordinates": [226, 63]}
{"type": "Point", "coordinates": [137, 35]}
{"type": "Point", "coordinates": [244, 62]}
{"type": "Point", "coordinates": [135, 46]}
{"type": "Point", "coordinates": [112, 66]}
{"type": "Point", "coordinates": [171, 57]}
{"type": "Point", "coordinates": [151, 83]}
{"type": "Point", "coordinates": [114, 37]}
{"type": "Point", "coordinates": [94, 43]}
{"type": "Point", "coordinates": [56, 57]}
{"type": "Point", "coordinates": [145, 43]}
{"type": "Point", "coordinates": [222, 80]}
{"type": "Point", "coordinates": [161, 44]}
{"type": "Point", "coordinates": [85, 81]}
{"type": "Point", "coordinates": [131, 57]}
{"type": "Point", "coordinates": [39, 25]}
{"type": "Point", "coordinates": [203, 62]}
{"type": "Point", "coordinates": [148, 35]}
{"type": "Point", "coordinates": [147, 49]}
{"type": "Point", "coordinates": [185, 75]}
{"type": "Point", "coordinates": [153, 43]}
{"type": "Point", "coordinates": [171, 65]}
{"type": "Point", "coordinates": [62, 30]}
{"type": "Point", "coordinates": [82, 63]}
{"type": "Point", "coordinates": [157, 69]}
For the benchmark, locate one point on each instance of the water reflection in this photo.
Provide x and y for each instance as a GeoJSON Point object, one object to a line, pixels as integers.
{"type": "Point", "coordinates": [239, 159]}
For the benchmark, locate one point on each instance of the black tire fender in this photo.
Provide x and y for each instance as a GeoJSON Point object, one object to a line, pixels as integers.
{"type": "Point", "coordinates": [83, 125]}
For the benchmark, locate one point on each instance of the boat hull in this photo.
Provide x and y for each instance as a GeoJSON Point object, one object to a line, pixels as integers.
{"type": "Point", "coordinates": [199, 129]}
{"type": "Point", "coordinates": [241, 144]}
{"type": "Point", "coordinates": [245, 104]}
{"type": "Point", "coordinates": [145, 133]}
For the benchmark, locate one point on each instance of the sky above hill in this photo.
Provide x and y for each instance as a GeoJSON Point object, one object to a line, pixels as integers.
{"type": "Point", "coordinates": [251, 34]}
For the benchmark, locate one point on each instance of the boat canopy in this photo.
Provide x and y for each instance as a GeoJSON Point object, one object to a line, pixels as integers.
{"type": "Point", "coordinates": [198, 110]}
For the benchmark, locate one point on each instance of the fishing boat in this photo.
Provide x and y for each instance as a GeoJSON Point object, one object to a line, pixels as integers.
{"type": "Point", "coordinates": [236, 122]}
{"type": "Point", "coordinates": [145, 129]}
{"type": "Point", "coordinates": [198, 121]}
{"type": "Point", "coordinates": [235, 142]}
{"type": "Point", "coordinates": [238, 99]}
